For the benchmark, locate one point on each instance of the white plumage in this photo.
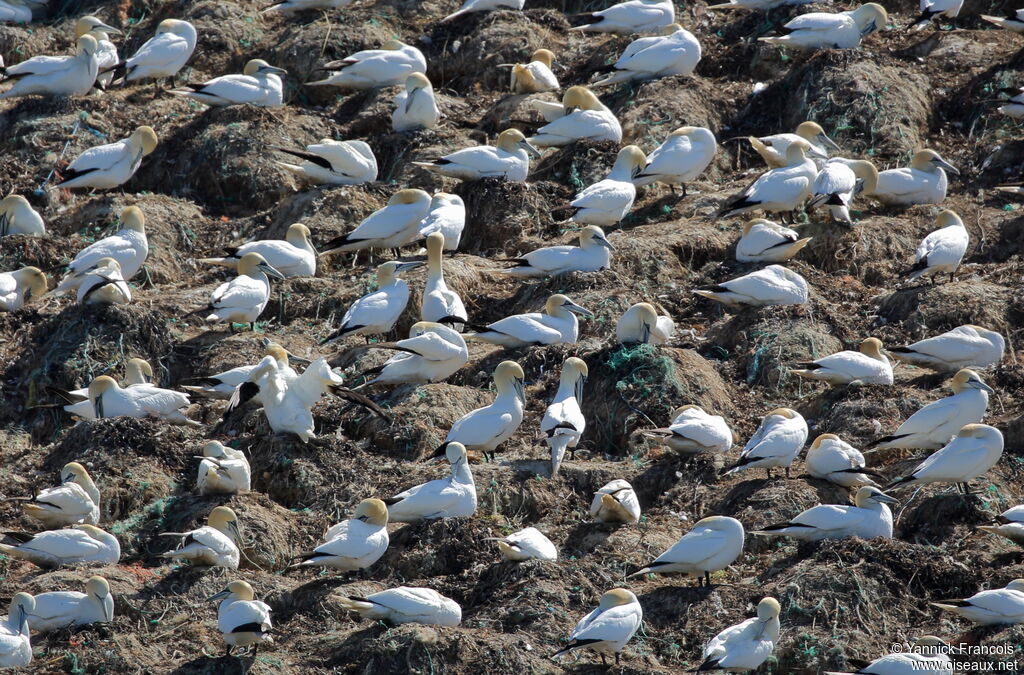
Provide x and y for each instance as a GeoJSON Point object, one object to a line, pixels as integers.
{"type": "Point", "coordinates": [694, 431]}
{"type": "Point", "coordinates": [773, 285]}
{"type": "Point", "coordinates": [535, 76]}
{"type": "Point", "coordinates": [589, 119]}
{"type": "Point", "coordinates": [832, 459]}
{"type": "Point", "coordinates": [508, 159]}
{"type": "Point", "coordinates": [776, 443]}
{"type": "Point", "coordinates": [128, 246]}
{"type": "Point", "coordinates": [447, 216]}
{"type": "Point", "coordinates": [616, 502]}
{"type": "Point", "coordinates": [942, 250]}
{"type": "Point", "coordinates": [674, 52]}
{"type": "Point", "coordinates": [609, 627]}
{"type": "Point", "coordinates": [18, 217]}
{"type": "Point", "coordinates": [606, 202]}
{"type": "Point", "coordinates": [592, 255]}
{"type": "Point", "coordinates": [109, 166]}
{"type": "Point", "coordinates": [431, 353]}
{"type": "Point", "coordinates": [527, 544]}
{"type": "Point", "coordinates": [451, 497]}
{"type": "Point", "coordinates": [56, 75]}
{"type": "Point", "coordinates": [259, 85]}
{"type": "Point", "coordinates": [632, 16]}
{"type": "Point", "coordinates": [377, 312]}
{"type": "Point", "coordinates": [215, 544]}
{"type": "Point", "coordinates": [641, 323]}
{"type": "Point", "coordinates": [78, 544]}
{"type": "Point", "coordinates": [989, 608]}
{"type": "Point", "coordinates": [164, 54]}
{"type": "Point", "coordinates": [870, 518]}
{"type": "Point", "coordinates": [136, 372]}
{"type": "Point", "coordinates": [104, 285]}
{"type": "Point", "coordinates": [974, 450]}
{"type": "Point", "coordinates": [484, 429]}
{"type": "Point", "coordinates": [773, 148]}
{"type": "Point", "coordinates": [439, 304]}
{"type": "Point", "coordinates": [106, 51]}
{"type": "Point", "coordinates": [353, 544]}
{"type": "Point", "coordinates": [15, 636]}
{"type": "Point", "coordinates": [818, 30]}
{"type": "Point", "coordinates": [15, 11]}
{"type": "Point", "coordinates": [75, 500]}
{"type": "Point", "coordinates": [934, 9]}
{"type": "Point", "coordinates": [139, 401]}
{"type": "Point", "coordinates": [1013, 21]}
{"type": "Point", "coordinates": [334, 162]}
{"type": "Point", "coordinates": [393, 226]}
{"type": "Point", "coordinates": [17, 287]}
{"type": "Point", "coordinates": [745, 646]}
{"type": "Point", "coordinates": [470, 6]}
{"type": "Point", "coordinates": [222, 470]}
{"type": "Point", "coordinates": [563, 423]}
{"type": "Point", "coordinates": [292, 257]}
{"type": "Point", "coordinates": [556, 324]}
{"type": "Point", "coordinates": [713, 544]}
{"type": "Point", "coordinates": [782, 189]}
{"type": "Point", "coordinates": [62, 609]}
{"type": "Point", "coordinates": [244, 298]}
{"type": "Point", "coordinates": [932, 660]}
{"type": "Point", "coordinates": [385, 67]}
{"type": "Point", "coordinates": [223, 385]}
{"type": "Point", "coordinates": [867, 366]}
{"type": "Point", "coordinates": [407, 604]}
{"type": "Point", "coordinates": [680, 159]}
{"type": "Point", "coordinates": [923, 182]}
{"type": "Point", "coordinates": [834, 187]}
{"type": "Point", "coordinates": [415, 106]}
{"type": "Point", "coordinates": [1009, 524]}
{"type": "Point", "coordinates": [293, 6]}
{"type": "Point", "coordinates": [767, 241]}
{"type": "Point", "coordinates": [241, 618]}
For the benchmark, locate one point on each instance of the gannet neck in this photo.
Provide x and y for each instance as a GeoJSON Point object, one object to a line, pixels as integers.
{"type": "Point", "coordinates": [435, 248]}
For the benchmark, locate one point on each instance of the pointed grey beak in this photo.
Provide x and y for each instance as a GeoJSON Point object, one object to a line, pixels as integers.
{"type": "Point", "coordinates": [219, 596]}
{"type": "Point", "coordinates": [233, 526]}
{"type": "Point", "coordinates": [408, 99]}
{"type": "Point", "coordinates": [67, 479]}
{"type": "Point", "coordinates": [578, 389]}
{"type": "Point", "coordinates": [576, 309]}
{"type": "Point", "coordinates": [273, 70]}
{"type": "Point", "coordinates": [98, 406]}
{"type": "Point", "coordinates": [270, 271]}
{"type": "Point", "coordinates": [868, 28]}
{"type": "Point", "coordinates": [529, 147]}
{"type": "Point", "coordinates": [885, 499]}
{"type": "Point", "coordinates": [828, 142]}
{"type": "Point", "coordinates": [601, 241]}
{"type": "Point", "coordinates": [520, 391]}
{"type": "Point", "coordinates": [106, 616]}
{"type": "Point", "coordinates": [439, 453]}
{"type": "Point", "coordinates": [107, 29]}
{"type": "Point", "coordinates": [939, 162]}
{"type": "Point", "coordinates": [978, 384]}
{"type": "Point", "coordinates": [402, 267]}
{"type": "Point", "coordinates": [297, 360]}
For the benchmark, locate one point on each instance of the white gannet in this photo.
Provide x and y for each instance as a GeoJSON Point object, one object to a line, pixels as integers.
{"type": "Point", "coordinates": [989, 608]}
{"type": "Point", "coordinates": [966, 346]}
{"type": "Point", "coordinates": [334, 162]}
{"type": "Point", "coordinates": [16, 641]}
{"type": "Point", "coordinates": [641, 323]}
{"type": "Point", "coordinates": [55, 75]}
{"type": "Point", "coordinates": [78, 544]}
{"type": "Point", "coordinates": [866, 366]}
{"type": "Point", "coordinates": [782, 189]}
{"type": "Point", "coordinates": [431, 353]}
{"type": "Point", "coordinates": [1009, 524]}
{"type": "Point", "coordinates": [128, 246]}
{"type": "Point", "coordinates": [535, 76]}
{"type": "Point", "coordinates": [694, 431]}
{"type": "Point", "coordinates": [139, 401]}
{"type": "Point", "coordinates": [767, 241]}
{"type": "Point", "coordinates": [136, 372]}
{"type": "Point", "coordinates": [223, 385]}
{"type": "Point", "coordinates": [377, 311]}
{"type": "Point", "coordinates": [164, 54]}
{"type": "Point", "coordinates": [584, 117]}
{"type": "Point", "coordinates": [19, 286]}
{"type": "Point", "coordinates": [928, 658]}
{"type": "Point", "coordinates": [557, 323]}
{"type": "Point", "coordinates": [974, 450]}
{"type": "Point", "coordinates": [18, 217]}
{"type": "Point", "coordinates": [259, 85]}
{"type": "Point", "coordinates": [415, 106]}
{"type": "Point", "coordinates": [104, 285]}
{"type": "Point", "coordinates": [748, 644]}
{"type": "Point", "coordinates": [1013, 21]}
{"type": "Point", "coordinates": [932, 426]}
{"type": "Point", "coordinates": [385, 67]}
{"type": "Point", "coordinates": [934, 9]}
{"type": "Point", "coordinates": [923, 182]}
{"type": "Point", "coordinates": [244, 298]}
{"type": "Point", "coordinates": [563, 422]}
{"type": "Point", "coordinates": [632, 16]}
{"type": "Point", "coordinates": [508, 159]}
{"type": "Point", "coordinates": [450, 497]}
{"type": "Point", "coordinates": [447, 216]}
{"type": "Point", "coordinates": [607, 201]}
{"type": "Point", "coordinates": [616, 502]}
{"type": "Point", "coordinates": [106, 52]}
{"type": "Point", "coordinates": [406, 604]}
{"type": "Point", "coordinates": [61, 609]}
{"type": "Point", "coordinates": [526, 544]}
{"type": "Point", "coordinates": [470, 6]}
{"type": "Point", "coordinates": [592, 255]}
{"type": "Point", "coordinates": [293, 6]}
{"type": "Point", "coordinates": [773, 148]}
{"type": "Point", "coordinates": [15, 11]}
{"type": "Point", "coordinates": [712, 545]}
{"type": "Point", "coordinates": [870, 518]}
{"type": "Point", "coordinates": [484, 429]}
{"type": "Point", "coordinates": [680, 159]}
{"type": "Point", "coordinates": [222, 470]}
{"type": "Point", "coordinates": [838, 182]}
{"type": "Point", "coordinates": [75, 500]}
{"type": "Point", "coordinates": [833, 459]}
{"type": "Point", "coordinates": [820, 30]}
{"type": "Point", "coordinates": [215, 544]}
{"type": "Point", "coordinates": [776, 443]}
{"type": "Point", "coordinates": [1015, 105]}
{"type": "Point", "coordinates": [757, 4]}
{"type": "Point", "coordinates": [353, 544]}
{"type": "Point", "coordinates": [608, 628]}
{"type": "Point", "coordinates": [674, 51]}
{"type": "Point", "coordinates": [241, 618]}
{"type": "Point", "coordinates": [773, 285]}
{"type": "Point", "coordinates": [440, 304]}
{"type": "Point", "coordinates": [292, 257]}
{"type": "Point", "coordinates": [109, 166]}
{"type": "Point", "coordinates": [941, 250]}
{"type": "Point", "coordinates": [393, 226]}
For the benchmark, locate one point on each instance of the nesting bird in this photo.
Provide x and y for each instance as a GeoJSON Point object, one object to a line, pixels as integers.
{"type": "Point", "coordinates": [783, 189]}
{"type": "Point", "coordinates": [632, 16]}
{"type": "Point", "coordinates": [607, 201]}
{"type": "Point", "coordinates": [19, 286]}
{"type": "Point", "coordinates": [974, 450]}
{"type": "Point", "coordinates": [990, 608]}
{"type": "Point", "coordinates": [439, 303]}
{"type": "Point", "coordinates": [923, 182]}
{"type": "Point", "coordinates": [333, 162]}
{"type": "Point", "coordinates": [242, 619]}
{"type": "Point", "coordinates": [61, 609]}
{"type": "Point", "coordinates": [447, 216]}
{"type": "Point", "coordinates": [81, 543]}
{"type": "Point", "coordinates": [415, 106]}
{"type": "Point", "coordinates": [526, 544]}
{"type": "Point", "coordinates": [353, 544]}
{"type": "Point", "coordinates": [484, 429]}
{"type": "Point", "coordinates": [222, 470]}
{"type": "Point", "coordinates": [776, 443]}
{"type": "Point", "coordinates": [508, 159]}
{"type": "Point", "coordinates": [244, 298]}
{"type": "Point", "coordinates": [106, 52]}
{"type": "Point", "coordinates": [164, 54]}
{"type": "Point", "coordinates": [15, 641]}
{"type": "Point", "coordinates": [683, 156]}
{"type": "Point", "coordinates": [431, 353]}
{"type": "Point", "coordinates": [942, 250]}
{"type": "Point", "coordinates": [693, 431]}
{"type": "Point", "coordinates": [833, 459]}
{"type": "Point", "coordinates": [259, 84]}
{"type": "Point", "coordinates": [372, 68]}
{"type": "Point", "coordinates": [966, 346]}
{"type": "Point", "coordinates": [223, 385]}
{"type": "Point", "coordinates": [564, 423]}
{"type": "Point", "coordinates": [216, 544]}
{"type": "Point", "coordinates": [838, 182]}
{"type": "Point", "coordinates": [745, 646]}
{"type": "Point", "coordinates": [713, 544]}
{"type": "Point", "coordinates": [536, 76]}
{"type": "Point", "coordinates": [585, 117]}
{"type": "Point", "coordinates": [866, 366]}
{"type": "Point", "coordinates": [128, 246]}
{"type": "Point", "coordinates": [75, 500]}
{"type": "Point", "coordinates": [642, 324]}
{"type": "Point", "coordinates": [869, 518]}
{"type": "Point", "coordinates": [773, 148]}
{"type": "Point", "coordinates": [932, 659]}
{"type": "Point", "coordinates": [104, 285]}
{"type": "Point", "coordinates": [767, 241]}
{"type": "Point", "coordinates": [406, 604]}
{"type": "Point", "coordinates": [609, 627]}
{"type": "Point", "coordinates": [136, 372]}
{"type": "Point", "coordinates": [819, 30]}
{"type": "Point", "coordinates": [55, 75]}
{"type": "Point", "coordinates": [18, 217]}
{"type": "Point", "coordinates": [109, 166]}
{"type": "Point", "coordinates": [675, 51]}
{"type": "Point", "coordinates": [556, 324]}
{"type": "Point", "coordinates": [773, 285]}
{"type": "Point", "coordinates": [451, 497]}
{"type": "Point", "coordinates": [616, 502]}
{"type": "Point", "coordinates": [470, 6]}
{"type": "Point", "coordinates": [592, 255]}
{"type": "Point", "coordinates": [1009, 524]}
{"type": "Point", "coordinates": [292, 257]}
{"type": "Point", "coordinates": [377, 311]}
{"type": "Point", "coordinates": [393, 226]}
{"type": "Point", "coordinates": [138, 401]}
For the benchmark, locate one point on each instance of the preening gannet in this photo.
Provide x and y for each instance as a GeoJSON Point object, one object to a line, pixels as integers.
{"type": "Point", "coordinates": [259, 85]}
{"type": "Point", "coordinates": [18, 217]}
{"type": "Point", "coordinates": [164, 54]}
{"type": "Point", "coordinates": [586, 118]}
{"type": "Point", "coordinates": [632, 16]}
{"type": "Point", "coordinates": [773, 148]}
{"type": "Point", "coordinates": [440, 304]}
{"type": "Point", "coordinates": [932, 659]}
{"type": "Point", "coordinates": [450, 497]}
{"type": "Point", "coordinates": [128, 246]}
{"type": "Point", "coordinates": [15, 641]}
{"type": "Point", "coordinates": [783, 189]}
{"type": "Point", "coordinates": [241, 618]}
{"type": "Point", "coordinates": [106, 52]}
{"type": "Point", "coordinates": [942, 250]}
{"type": "Point", "coordinates": [385, 67]}
{"type": "Point", "coordinates": [833, 459]}
{"type": "Point", "coordinates": [104, 285]}
{"type": "Point", "coordinates": [563, 423]}
{"type": "Point", "coordinates": [470, 6]}
{"type": "Point", "coordinates": [557, 323]}
{"type": "Point", "coordinates": [923, 182]}
{"type": "Point", "coordinates": [642, 324]}
{"type": "Point", "coordinates": [223, 385]}
{"type": "Point", "coordinates": [292, 257]}
{"type": "Point", "coordinates": [616, 502]}
{"type": "Point", "coordinates": [966, 346]}
{"type": "Point", "coordinates": [377, 312]}
{"type": "Point", "coordinates": [78, 544]}
{"type": "Point", "coordinates": [1009, 524]}
{"type": "Point", "coordinates": [773, 285]}
{"type": "Point", "coordinates": [767, 241]}
{"type": "Point", "coordinates": [838, 182]}
{"type": "Point", "coordinates": [866, 366]}
{"type": "Point", "coordinates": [989, 608]}
{"type": "Point", "coordinates": [139, 401]}
{"type": "Point", "coordinates": [675, 51]}
{"type": "Point", "coordinates": [415, 107]}
{"type": "Point", "coordinates": [222, 470]}
{"type": "Point", "coordinates": [334, 162]}
{"type": "Point", "coordinates": [508, 159]}
{"type": "Point", "coordinates": [111, 165]}
{"type": "Point", "coordinates": [974, 450]}
{"type": "Point", "coordinates": [55, 75]}
{"type": "Point", "coordinates": [215, 544]}
{"type": "Point", "coordinates": [136, 372]}
{"type": "Point", "coordinates": [431, 353]}
{"type": "Point", "coordinates": [607, 201]}
{"type": "Point", "coordinates": [19, 286]}
{"type": "Point", "coordinates": [608, 628]}
{"type": "Point", "coordinates": [484, 429]}
{"type": "Point", "coordinates": [244, 298]}
{"type": "Point", "coordinates": [694, 431]}
{"type": "Point", "coordinates": [592, 255]}
{"type": "Point", "coordinates": [845, 30]}
{"type": "Point", "coordinates": [535, 76]}
{"type": "Point", "coordinates": [526, 544]}
{"type": "Point", "coordinates": [680, 159]}
{"type": "Point", "coordinates": [776, 443]}
{"type": "Point", "coordinates": [713, 544]}
{"type": "Point", "coordinates": [393, 226]}
{"type": "Point", "coordinates": [353, 544]}
{"type": "Point", "coordinates": [75, 500]}
{"type": "Point", "coordinates": [406, 604]}
{"type": "Point", "coordinates": [870, 518]}
{"type": "Point", "coordinates": [934, 9]}
{"type": "Point", "coordinates": [448, 217]}
{"type": "Point", "coordinates": [60, 609]}
{"type": "Point", "coordinates": [1013, 21]}
{"type": "Point", "coordinates": [745, 646]}
{"type": "Point", "coordinates": [15, 11]}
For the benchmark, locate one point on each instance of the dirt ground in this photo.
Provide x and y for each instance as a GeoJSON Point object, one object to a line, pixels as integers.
{"type": "Point", "coordinates": [212, 182]}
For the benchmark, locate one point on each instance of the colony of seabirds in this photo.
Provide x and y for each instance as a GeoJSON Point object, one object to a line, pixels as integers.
{"type": "Point", "coordinates": [799, 174]}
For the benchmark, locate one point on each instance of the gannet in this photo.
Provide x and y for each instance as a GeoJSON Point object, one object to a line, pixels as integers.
{"type": "Point", "coordinates": [694, 431]}
{"type": "Point", "coordinates": [633, 16]}
{"type": "Point", "coordinates": [838, 182]}
{"type": "Point", "coordinates": [866, 366]}
{"type": "Point", "coordinates": [223, 385]}
{"type": "Point", "coordinates": [447, 216]}
{"type": "Point", "coordinates": [19, 286]}
{"type": "Point", "coordinates": [75, 500]}
{"type": "Point", "coordinates": [508, 159]}
{"type": "Point", "coordinates": [1013, 21]}
{"type": "Point", "coordinates": [989, 608]}
{"type": "Point", "coordinates": [470, 6]}
{"type": "Point", "coordinates": [450, 497]}
{"type": "Point", "coordinates": [241, 618]}
{"type": "Point", "coordinates": [377, 312]}
{"type": "Point", "coordinates": [244, 298]}
{"type": "Point", "coordinates": [870, 518]}
{"type": "Point", "coordinates": [293, 6]}
{"type": "Point", "coordinates": [833, 459]}
{"type": "Point", "coordinates": [353, 544]}
{"type": "Point", "coordinates": [608, 628]}
{"type": "Point", "coordinates": [782, 189]}
{"type": "Point", "coordinates": [526, 544]}
{"type": "Point", "coordinates": [393, 226]}
{"type": "Point", "coordinates": [1015, 105]}
{"type": "Point", "coordinates": [104, 285]}
{"type": "Point", "coordinates": [106, 52]}
{"type": "Point", "coordinates": [923, 182]}
{"type": "Point", "coordinates": [767, 241]}
{"type": "Point", "coordinates": [773, 148]}
{"type": "Point", "coordinates": [607, 201]}
{"type": "Point", "coordinates": [128, 246]}
{"type": "Point", "coordinates": [592, 255]}
{"type": "Point", "coordinates": [334, 162]}
{"type": "Point", "coordinates": [966, 346]}
{"type": "Point", "coordinates": [941, 250]}
{"type": "Point", "coordinates": [406, 604]}
{"type": "Point", "coordinates": [773, 285]}
{"type": "Point", "coordinates": [139, 401]}
{"type": "Point", "coordinates": [55, 75]}
{"type": "Point", "coordinates": [616, 502]}
{"type": "Point", "coordinates": [535, 76]}
{"type": "Point", "coordinates": [484, 429]}
{"type": "Point", "coordinates": [974, 450]}
{"type": "Point", "coordinates": [776, 443]}
{"type": "Point", "coordinates": [819, 30]}
{"type": "Point", "coordinates": [557, 323]}
{"type": "Point", "coordinates": [439, 304]}
{"type": "Point", "coordinates": [222, 470]}
{"type": "Point", "coordinates": [745, 646]}
{"type": "Point", "coordinates": [164, 54]}
{"type": "Point", "coordinates": [713, 544]}
{"type": "Point", "coordinates": [928, 658]}
{"type": "Point", "coordinates": [431, 353]}
{"type": "Point", "coordinates": [675, 51]}
{"type": "Point", "coordinates": [757, 4]}
{"type": "Point", "coordinates": [80, 543]}
{"type": "Point", "coordinates": [15, 11]}
{"type": "Point", "coordinates": [136, 372]}
{"type": "Point", "coordinates": [385, 67]}
{"type": "Point", "coordinates": [584, 117]}
{"type": "Point", "coordinates": [292, 257]}
{"type": "Point", "coordinates": [563, 422]}
{"type": "Point", "coordinates": [111, 165]}
{"type": "Point", "coordinates": [259, 85]}
{"type": "Point", "coordinates": [641, 323]}
{"type": "Point", "coordinates": [16, 641]}
{"type": "Point", "coordinates": [60, 609]}
{"type": "Point", "coordinates": [415, 107]}
{"type": "Point", "coordinates": [1009, 524]}
{"type": "Point", "coordinates": [680, 159]}
{"type": "Point", "coordinates": [18, 217]}
{"type": "Point", "coordinates": [215, 544]}
{"type": "Point", "coordinates": [934, 9]}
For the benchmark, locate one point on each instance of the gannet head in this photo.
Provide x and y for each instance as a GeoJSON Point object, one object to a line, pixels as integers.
{"type": "Point", "coordinates": [23, 604]}
{"type": "Point", "coordinates": [73, 472]}
{"type": "Point", "coordinates": [279, 353]}
{"type": "Point", "coordinates": [872, 494]}
{"type": "Point", "coordinates": [812, 132]}
{"type": "Point", "coordinates": [558, 305]}
{"type": "Point", "coordinates": [435, 245]}
{"type": "Point", "coordinates": [32, 278]}
{"type": "Point", "coordinates": [980, 431]}
{"type": "Point", "coordinates": [252, 263]}
{"type": "Point", "coordinates": [138, 371]}
{"type": "Point", "coordinates": [966, 378]}
{"type": "Point", "coordinates": [545, 56]}
{"type": "Point", "coordinates": [372, 511]}
{"type": "Point", "coordinates": [389, 271]}
{"type": "Point", "coordinates": [616, 598]}
{"type": "Point", "coordinates": [145, 138]}
{"type": "Point", "coordinates": [575, 372]}
{"type": "Point", "coordinates": [822, 438]}
{"type": "Point", "coordinates": [297, 235]}
{"type": "Point", "coordinates": [510, 374]}
{"type": "Point", "coordinates": [417, 81]}
{"type": "Point", "coordinates": [947, 218]}
{"type": "Point", "coordinates": [511, 140]}
{"type": "Point", "coordinates": [90, 25]}
{"type": "Point", "coordinates": [758, 221]}
{"type": "Point", "coordinates": [929, 160]}
{"type": "Point", "coordinates": [455, 452]}
{"type": "Point", "coordinates": [1016, 585]}
{"type": "Point", "coordinates": [797, 152]}
{"type": "Point", "coordinates": [99, 588]}
{"type": "Point", "coordinates": [93, 532]}
{"type": "Point", "coordinates": [260, 67]}
{"type": "Point", "coordinates": [13, 203]}
{"type": "Point", "coordinates": [214, 449]}
{"type": "Point", "coordinates": [132, 218]}
{"type": "Point", "coordinates": [224, 519]}
{"type": "Point", "coordinates": [648, 317]}
{"type": "Point", "coordinates": [592, 235]}
{"type": "Point", "coordinates": [393, 45]}
{"type": "Point", "coordinates": [872, 347]}
{"type": "Point", "coordinates": [768, 609]}
{"type": "Point", "coordinates": [409, 196]}
{"type": "Point", "coordinates": [579, 97]}
{"type": "Point", "coordinates": [681, 409]}
{"type": "Point", "coordinates": [671, 28]}
{"type": "Point", "coordinates": [236, 590]}
{"type": "Point", "coordinates": [631, 159]}
{"type": "Point", "coordinates": [97, 388]}
{"type": "Point", "coordinates": [929, 641]}
{"type": "Point", "coordinates": [176, 26]}
{"type": "Point", "coordinates": [87, 45]}
{"type": "Point", "coordinates": [721, 523]}
{"type": "Point", "coordinates": [447, 199]}
{"type": "Point", "coordinates": [870, 17]}
{"type": "Point", "coordinates": [788, 413]}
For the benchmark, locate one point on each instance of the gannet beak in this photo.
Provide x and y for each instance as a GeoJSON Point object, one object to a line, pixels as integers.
{"type": "Point", "coordinates": [408, 99]}
{"type": "Point", "coordinates": [274, 70]}
{"type": "Point", "coordinates": [938, 161]}
{"type": "Point", "coordinates": [885, 499]}
{"type": "Point", "coordinates": [219, 596]}
{"type": "Point", "coordinates": [270, 271]}
{"type": "Point", "coordinates": [108, 29]}
{"type": "Point", "coordinates": [98, 405]}
{"type": "Point", "coordinates": [439, 452]}
{"type": "Point", "coordinates": [409, 265]}
{"type": "Point", "coordinates": [520, 391]}
{"type": "Point", "coordinates": [868, 28]}
{"type": "Point", "coordinates": [233, 526]}
{"type": "Point", "coordinates": [828, 142]}
{"type": "Point", "coordinates": [529, 147]}
{"type": "Point", "coordinates": [298, 360]}
{"type": "Point", "coordinates": [978, 384]}
{"type": "Point", "coordinates": [604, 242]}
{"type": "Point", "coordinates": [578, 389]}
{"type": "Point", "coordinates": [106, 617]}
{"type": "Point", "coordinates": [576, 309]}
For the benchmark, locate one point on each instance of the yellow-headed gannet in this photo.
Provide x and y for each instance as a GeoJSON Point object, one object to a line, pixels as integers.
{"type": "Point", "coordinates": [838, 182]}
{"type": "Point", "coordinates": [385, 67]}
{"type": "Point", "coordinates": [633, 16]}
{"type": "Point", "coordinates": [17, 287]}
{"type": "Point", "coordinates": [104, 285]}
{"type": "Point", "coordinates": [16, 641]}
{"type": "Point", "coordinates": [819, 30]}
{"type": "Point", "coordinates": [526, 544]}
{"type": "Point", "coordinates": [966, 346]}
{"type": "Point", "coordinates": [642, 324]}
{"type": "Point", "coordinates": [164, 54]}
{"type": "Point", "coordinates": [139, 401]}
{"type": "Point", "coordinates": [18, 217]}
{"type": "Point", "coordinates": [377, 312]}
{"type": "Point", "coordinates": [259, 85]}
{"type": "Point", "coordinates": [934, 9]}
{"type": "Point", "coordinates": [974, 450]}
{"type": "Point", "coordinates": [109, 166]}
{"type": "Point", "coordinates": [563, 422]}
{"type": "Point", "coordinates": [608, 628]}
{"type": "Point", "coordinates": [222, 385]}
{"type": "Point", "coordinates": [75, 500]}
{"type": "Point", "coordinates": [990, 608]}
{"type": "Point", "coordinates": [616, 502]}
{"type": "Point", "coordinates": [870, 518]}
{"type": "Point", "coordinates": [1013, 21]}
{"type": "Point", "coordinates": [745, 646]}
{"type": "Point", "coordinates": [782, 189]}
{"type": "Point", "coordinates": [353, 544]}
{"type": "Point", "coordinates": [242, 619]}
{"type": "Point", "coordinates": [470, 6]}
{"type": "Point", "coordinates": [415, 107]}
{"type": "Point", "coordinates": [293, 6]}
{"type": "Point", "coordinates": [776, 443]}
{"type": "Point", "coordinates": [222, 470]}
{"type": "Point", "coordinates": [431, 353]}
{"type": "Point", "coordinates": [55, 75]}
{"type": "Point", "coordinates": [62, 609]}
{"type": "Point", "coordinates": [334, 162]}
{"type": "Point", "coordinates": [607, 201]}
{"type": "Point", "coordinates": [928, 658]}
{"type": "Point", "coordinates": [128, 246]}
{"type": "Point", "coordinates": [484, 429]}
{"type": "Point", "coordinates": [440, 304]}
{"type": "Point", "coordinates": [292, 257]}
{"type": "Point", "coordinates": [450, 497]}
{"type": "Point", "coordinates": [78, 544]}
{"type": "Point", "coordinates": [923, 182]}
{"type": "Point", "coordinates": [833, 459]}
{"type": "Point", "coordinates": [1009, 524]}
{"type": "Point", "coordinates": [773, 148]}
{"type": "Point", "coordinates": [584, 117]}
{"type": "Point", "coordinates": [556, 324]}
{"type": "Point", "coordinates": [244, 298]}
{"type": "Point", "coordinates": [941, 250]}
{"type": "Point", "coordinates": [694, 431]}
{"type": "Point", "coordinates": [15, 11]}
{"type": "Point", "coordinates": [393, 226]}
{"type": "Point", "coordinates": [773, 285]}
{"type": "Point", "coordinates": [215, 544]}
{"type": "Point", "coordinates": [106, 53]}
{"type": "Point", "coordinates": [535, 76]}
{"type": "Point", "coordinates": [680, 159]}
{"type": "Point", "coordinates": [1015, 106]}
{"type": "Point", "coordinates": [592, 255]}
{"type": "Point", "coordinates": [406, 604]}
{"type": "Point", "coordinates": [767, 241]}
{"type": "Point", "coordinates": [713, 544]}
{"type": "Point", "coordinates": [447, 216]}
{"type": "Point", "coordinates": [136, 372]}
{"type": "Point", "coordinates": [508, 159]}
{"type": "Point", "coordinates": [866, 366]}
{"type": "Point", "coordinates": [675, 51]}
